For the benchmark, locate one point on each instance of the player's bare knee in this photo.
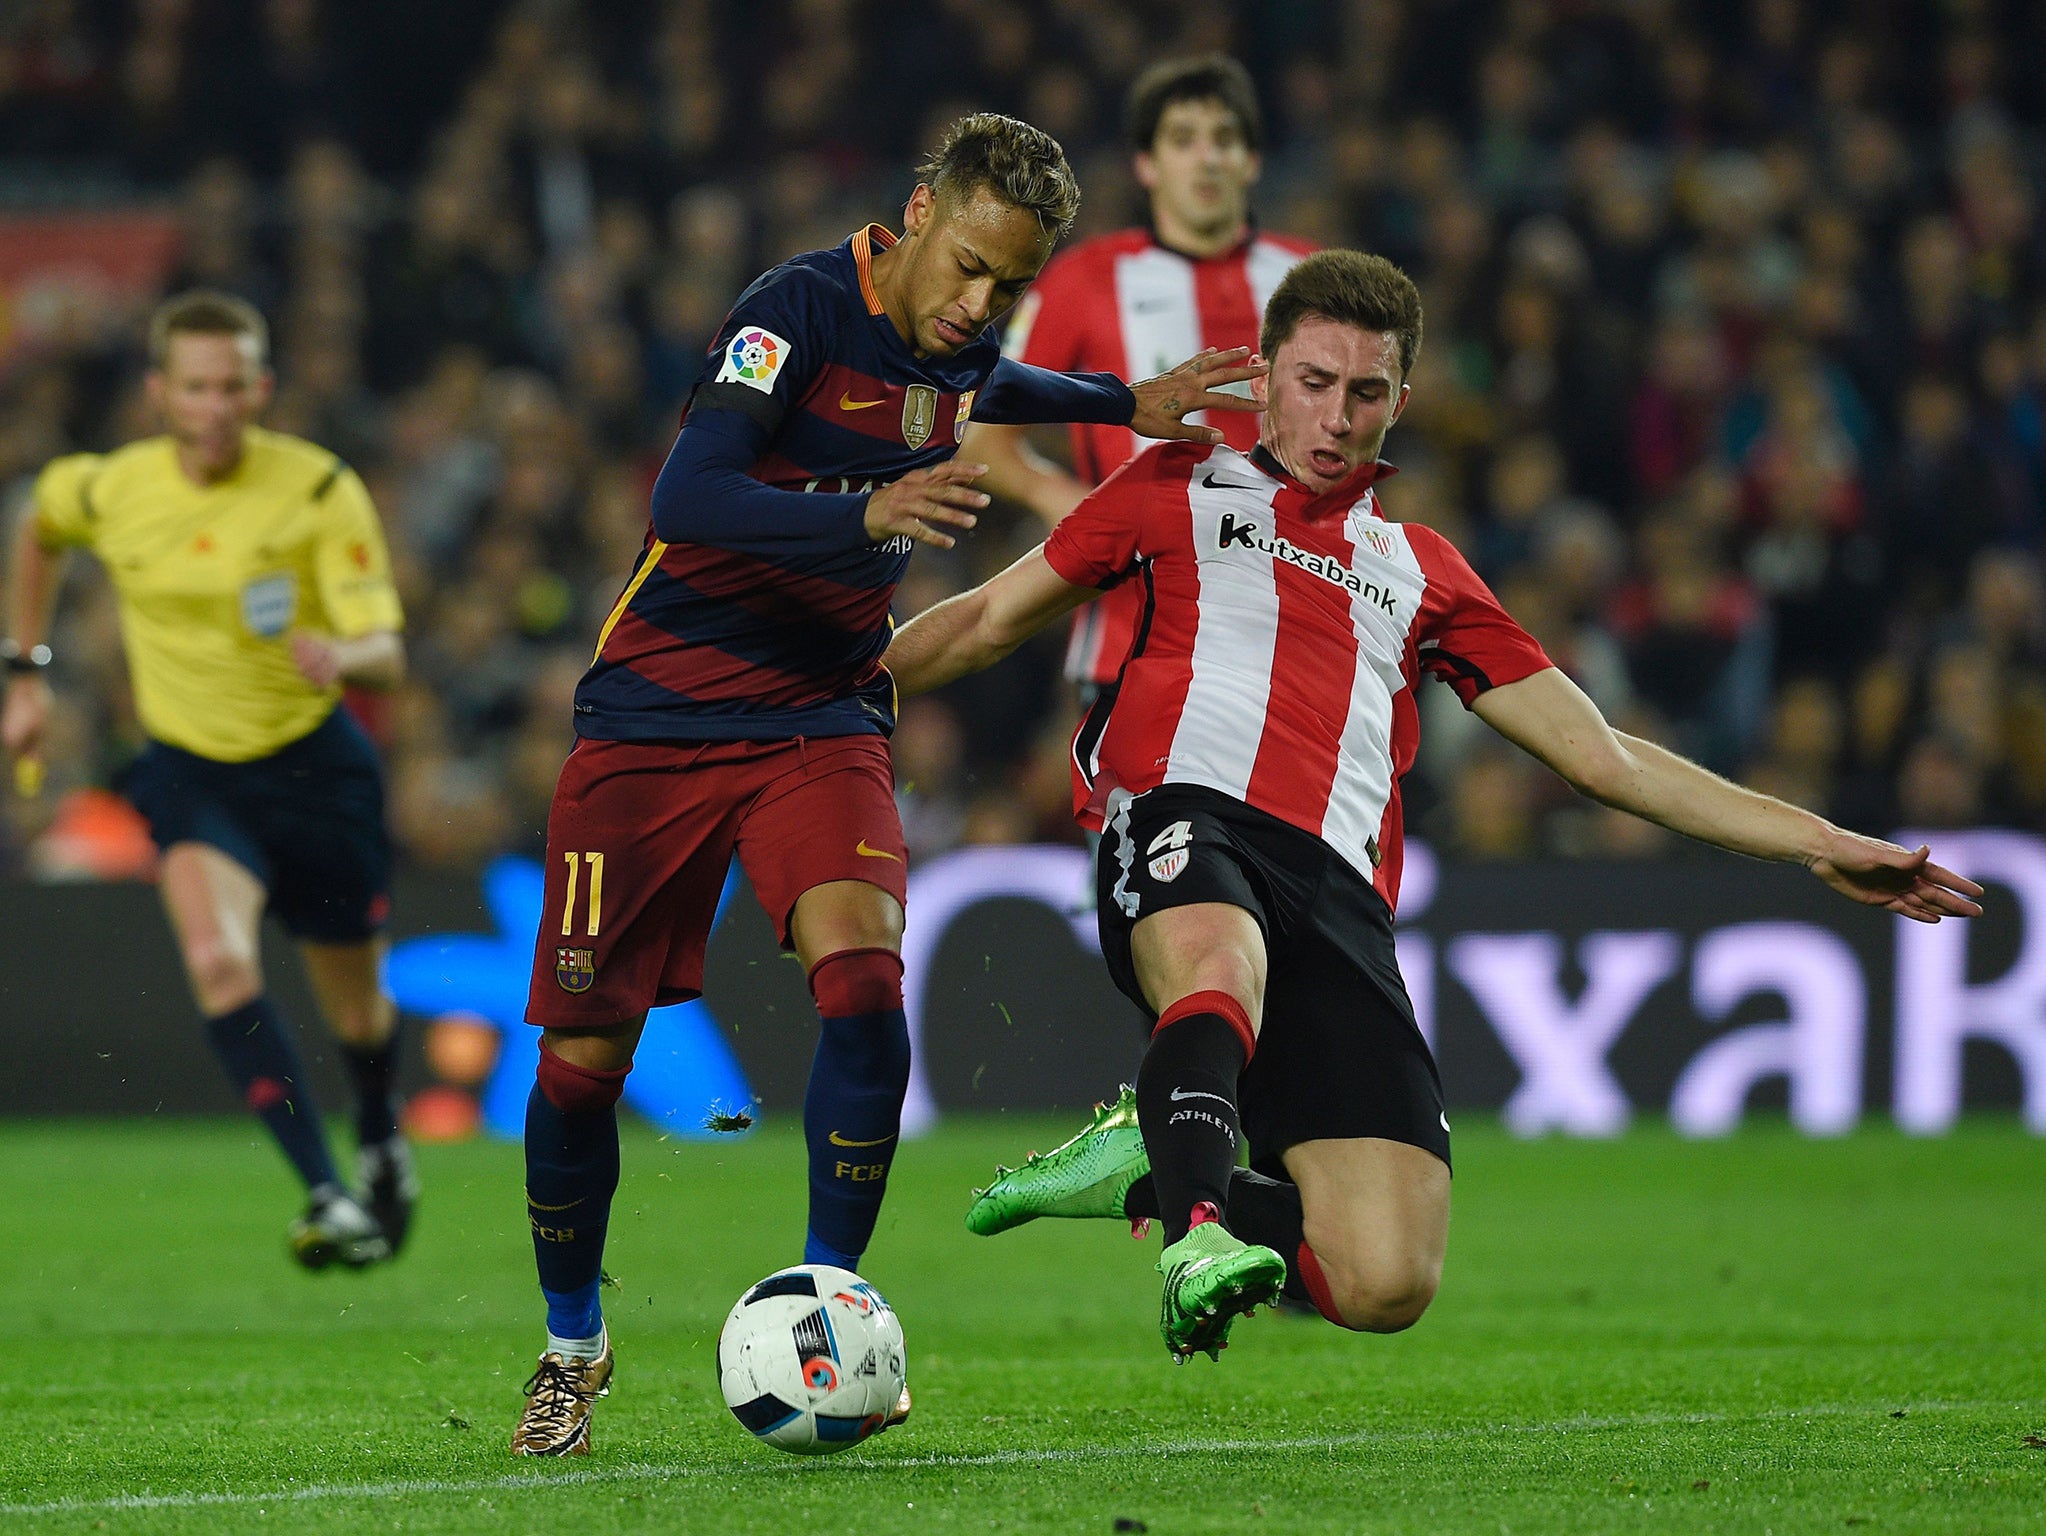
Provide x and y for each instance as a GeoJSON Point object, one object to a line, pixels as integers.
{"type": "Point", "coordinates": [224, 976]}
{"type": "Point", "coordinates": [1376, 1293]}
{"type": "Point", "coordinates": [1389, 1305]}
{"type": "Point", "coordinates": [1231, 973]}
{"type": "Point", "coordinates": [364, 1022]}
{"type": "Point", "coordinates": [592, 1050]}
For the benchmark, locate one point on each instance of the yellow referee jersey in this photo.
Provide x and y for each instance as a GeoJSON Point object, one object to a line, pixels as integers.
{"type": "Point", "coordinates": [213, 579]}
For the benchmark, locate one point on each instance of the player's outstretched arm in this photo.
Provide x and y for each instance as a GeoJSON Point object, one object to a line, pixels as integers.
{"type": "Point", "coordinates": [34, 573]}
{"type": "Point", "coordinates": [976, 629]}
{"type": "Point", "coordinates": [1164, 403]}
{"type": "Point", "coordinates": [375, 660]}
{"type": "Point", "coordinates": [1550, 717]}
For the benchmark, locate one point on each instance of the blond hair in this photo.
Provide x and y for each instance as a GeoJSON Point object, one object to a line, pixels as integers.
{"type": "Point", "coordinates": [1020, 165]}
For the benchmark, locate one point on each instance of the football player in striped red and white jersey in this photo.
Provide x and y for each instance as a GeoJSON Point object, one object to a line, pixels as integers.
{"type": "Point", "coordinates": [1196, 276]}
{"type": "Point", "coordinates": [1247, 774]}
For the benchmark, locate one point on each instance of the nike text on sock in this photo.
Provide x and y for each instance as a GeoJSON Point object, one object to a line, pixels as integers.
{"type": "Point", "coordinates": [1186, 1105]}
{"type": "Point", "coordinates": [852, 1110]}
{"type": "Point", "coordinates": [571, 1176]}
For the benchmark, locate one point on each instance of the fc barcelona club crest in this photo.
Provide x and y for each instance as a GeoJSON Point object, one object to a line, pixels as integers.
{"type": "Point", "coordinates": [963, 415]}
{"type": "Point", "coordinates": [575, 970]}
{"type": "Point", "coordinates": [919, 414]}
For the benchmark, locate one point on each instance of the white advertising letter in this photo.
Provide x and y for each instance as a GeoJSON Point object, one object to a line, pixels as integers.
{"type": "Point", "coordinates": [1938, 1008]}
{"type": "Point", "coordinates": [1817, 1046]}
{"type": "Point", "coordinates": [1560, 1046]}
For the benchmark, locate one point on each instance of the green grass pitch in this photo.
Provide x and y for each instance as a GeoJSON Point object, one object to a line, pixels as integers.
{"type": "Point", "coordinates": [1762, 1334]}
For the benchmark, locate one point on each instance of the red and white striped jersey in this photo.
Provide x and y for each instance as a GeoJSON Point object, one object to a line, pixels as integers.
{"type": "Point", "coordinates": [1125, 304]}
{"type": "Point", "coordinates": [1281, 639]}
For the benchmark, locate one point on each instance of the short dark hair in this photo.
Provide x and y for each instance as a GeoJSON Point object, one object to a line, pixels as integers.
{"type": "Point", "coordinates": [205, 312]}
{"type": "Point", "coordinates": [1350, 288]}
{"type": "Point", "coordinates": [1210, 77]}
{"type": "Point", "coordinates": [1021, 165]}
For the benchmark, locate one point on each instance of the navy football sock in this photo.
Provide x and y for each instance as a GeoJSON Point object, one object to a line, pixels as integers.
{"type": "Point", "coordinates": [254, 1044]}
{"type": "Point", "coordinates": [853, 1109]}
{"type": "Point", "coordinates": [1186, 1105]}
{"type": "Point", "coordinates": [373, 1070]}
{"type": "Point", "coordinates": [571, 1175]}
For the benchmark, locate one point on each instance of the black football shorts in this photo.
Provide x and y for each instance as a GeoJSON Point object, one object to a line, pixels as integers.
{"type": "Point", "coordinates": [307, 821]}
{"type": "Point", "coordinates": [1339, 1055]}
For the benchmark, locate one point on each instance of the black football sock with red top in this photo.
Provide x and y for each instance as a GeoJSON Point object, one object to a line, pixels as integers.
{"type": "Point", "coordinates": [1186, 1104]}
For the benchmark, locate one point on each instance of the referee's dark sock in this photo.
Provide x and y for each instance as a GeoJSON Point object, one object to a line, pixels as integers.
{"type": "Point", "coordinates": [571, 1175]}
{"type": "Point", "coordinates": [254, 1044]}
{"type": "Point", "coordinates": [852, 1111]}
{"type": "Point", "coordinates": [373, 1070]}
{"type": "Point", "coordinates": [1186, 1104]}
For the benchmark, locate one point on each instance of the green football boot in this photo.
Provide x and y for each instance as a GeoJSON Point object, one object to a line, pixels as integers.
{"type": "Point", "coordinates": [1088, 1176]}
{"type": "Point", "coordinates": [1211, 1279]}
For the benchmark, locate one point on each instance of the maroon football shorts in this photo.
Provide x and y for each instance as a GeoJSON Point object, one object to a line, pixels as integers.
{"type": "Point", "coordinates": [640, 836]}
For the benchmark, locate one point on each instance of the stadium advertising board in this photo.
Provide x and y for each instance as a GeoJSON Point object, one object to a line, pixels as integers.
{"type": "Point", "coordinates": [1569, 997]}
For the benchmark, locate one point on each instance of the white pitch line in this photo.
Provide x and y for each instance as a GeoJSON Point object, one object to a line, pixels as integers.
{"type": "Point", "coordinates": [642, 1473]}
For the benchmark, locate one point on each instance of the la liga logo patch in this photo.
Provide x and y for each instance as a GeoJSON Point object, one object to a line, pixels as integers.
{"type": "Point", "coordinates": [753, 358]}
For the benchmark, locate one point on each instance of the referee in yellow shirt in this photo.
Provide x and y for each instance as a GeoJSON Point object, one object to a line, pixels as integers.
{"type": "Point", "coordinates": [253, 582]}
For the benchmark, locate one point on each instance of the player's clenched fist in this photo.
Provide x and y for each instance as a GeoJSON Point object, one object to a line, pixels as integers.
{"type": "Point", "coordinates": [925, 502]}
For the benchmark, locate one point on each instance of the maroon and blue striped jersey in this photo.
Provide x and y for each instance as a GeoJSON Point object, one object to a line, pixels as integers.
{"type": "Point", "coordinates": [759, 608]}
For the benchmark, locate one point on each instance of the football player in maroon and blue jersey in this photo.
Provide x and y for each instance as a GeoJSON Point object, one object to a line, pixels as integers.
{"type": "Point", "coordinates": [737, 702]}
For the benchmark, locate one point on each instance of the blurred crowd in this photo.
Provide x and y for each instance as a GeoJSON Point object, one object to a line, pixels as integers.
{"type": "Point", "coordinates": [1734, 383]}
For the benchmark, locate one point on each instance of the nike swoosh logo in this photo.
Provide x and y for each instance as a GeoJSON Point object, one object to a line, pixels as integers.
{"type": "Point", "coordinates": [1224, 485]}
{"type": "Point", "coordinates": [536, 1205]}
{"type": "Point", "coordinates": [840, 1141]}
{"type": "Point", "coordinates": [875, 853]}
{"type": "Point", "coordinates": [847, 403]}
{"type": "Point", "coordinates": [1178, 1094]}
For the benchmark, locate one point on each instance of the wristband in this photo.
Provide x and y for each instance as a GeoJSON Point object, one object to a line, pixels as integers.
{"type": "Point", "coordinates": [20, 662]}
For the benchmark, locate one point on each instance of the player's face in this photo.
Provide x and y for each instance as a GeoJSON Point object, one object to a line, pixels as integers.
{"type": "Point", "coordinates": [972, 258]}
{"type": "Point", "coordinates": [1199, 169]}
{"type": "Point", "coordinates": [208, 391]}
{"type": "Point", "coordinates": [1332, 394]}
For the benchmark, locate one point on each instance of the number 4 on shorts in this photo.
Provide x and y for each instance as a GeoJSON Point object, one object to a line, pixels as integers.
{"type": "Point", "coordinates": [1178, 835]}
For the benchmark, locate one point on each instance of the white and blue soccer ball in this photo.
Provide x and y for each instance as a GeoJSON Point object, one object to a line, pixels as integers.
{"type": "Point", "coordinates": [811, 1360]}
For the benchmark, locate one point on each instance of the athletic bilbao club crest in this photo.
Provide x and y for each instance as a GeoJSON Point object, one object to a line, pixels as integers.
{"type": "Point", "coordinates": [919, 414]}
{"type": "Point", "coordinates": [962, 416]}
{"type": "Point", "coordinates": [1379, 540]}
{"type": "Point", "coordinates": [1168, 867]}
{"type": "Point", "coordinates": [575, 970]}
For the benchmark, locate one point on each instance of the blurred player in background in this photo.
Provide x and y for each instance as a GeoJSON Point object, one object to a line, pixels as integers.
{"type": "Point", "coordinates": [253, 583]}
{"type": "Point", "coordinates": [737, 701]}
{"type": "Point", "coordinates": [1247, 774]}
{"type": "Point", "coordinates": [1136, 301]}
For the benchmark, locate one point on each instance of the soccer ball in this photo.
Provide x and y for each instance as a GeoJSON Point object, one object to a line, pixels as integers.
{"type": "Point", "coordinates": [811, 1360]}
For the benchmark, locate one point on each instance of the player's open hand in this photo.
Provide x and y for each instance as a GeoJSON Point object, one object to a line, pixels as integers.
{"type": "Point", "coordinates": [1164, 403]}
{"type": "Point", "coordinates": [1901, 880]}
{"type": "Point", "coordinates": [925, 502]}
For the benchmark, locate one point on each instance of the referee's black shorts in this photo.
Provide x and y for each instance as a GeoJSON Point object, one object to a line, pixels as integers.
{"type": "Point", "coordinates": [1339, 1055]}
{"type": "Point", "coordinates": [307, 821]}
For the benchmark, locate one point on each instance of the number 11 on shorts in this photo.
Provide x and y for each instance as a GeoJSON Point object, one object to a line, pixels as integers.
{"type": "Point", "coordinates": [575, 863]}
